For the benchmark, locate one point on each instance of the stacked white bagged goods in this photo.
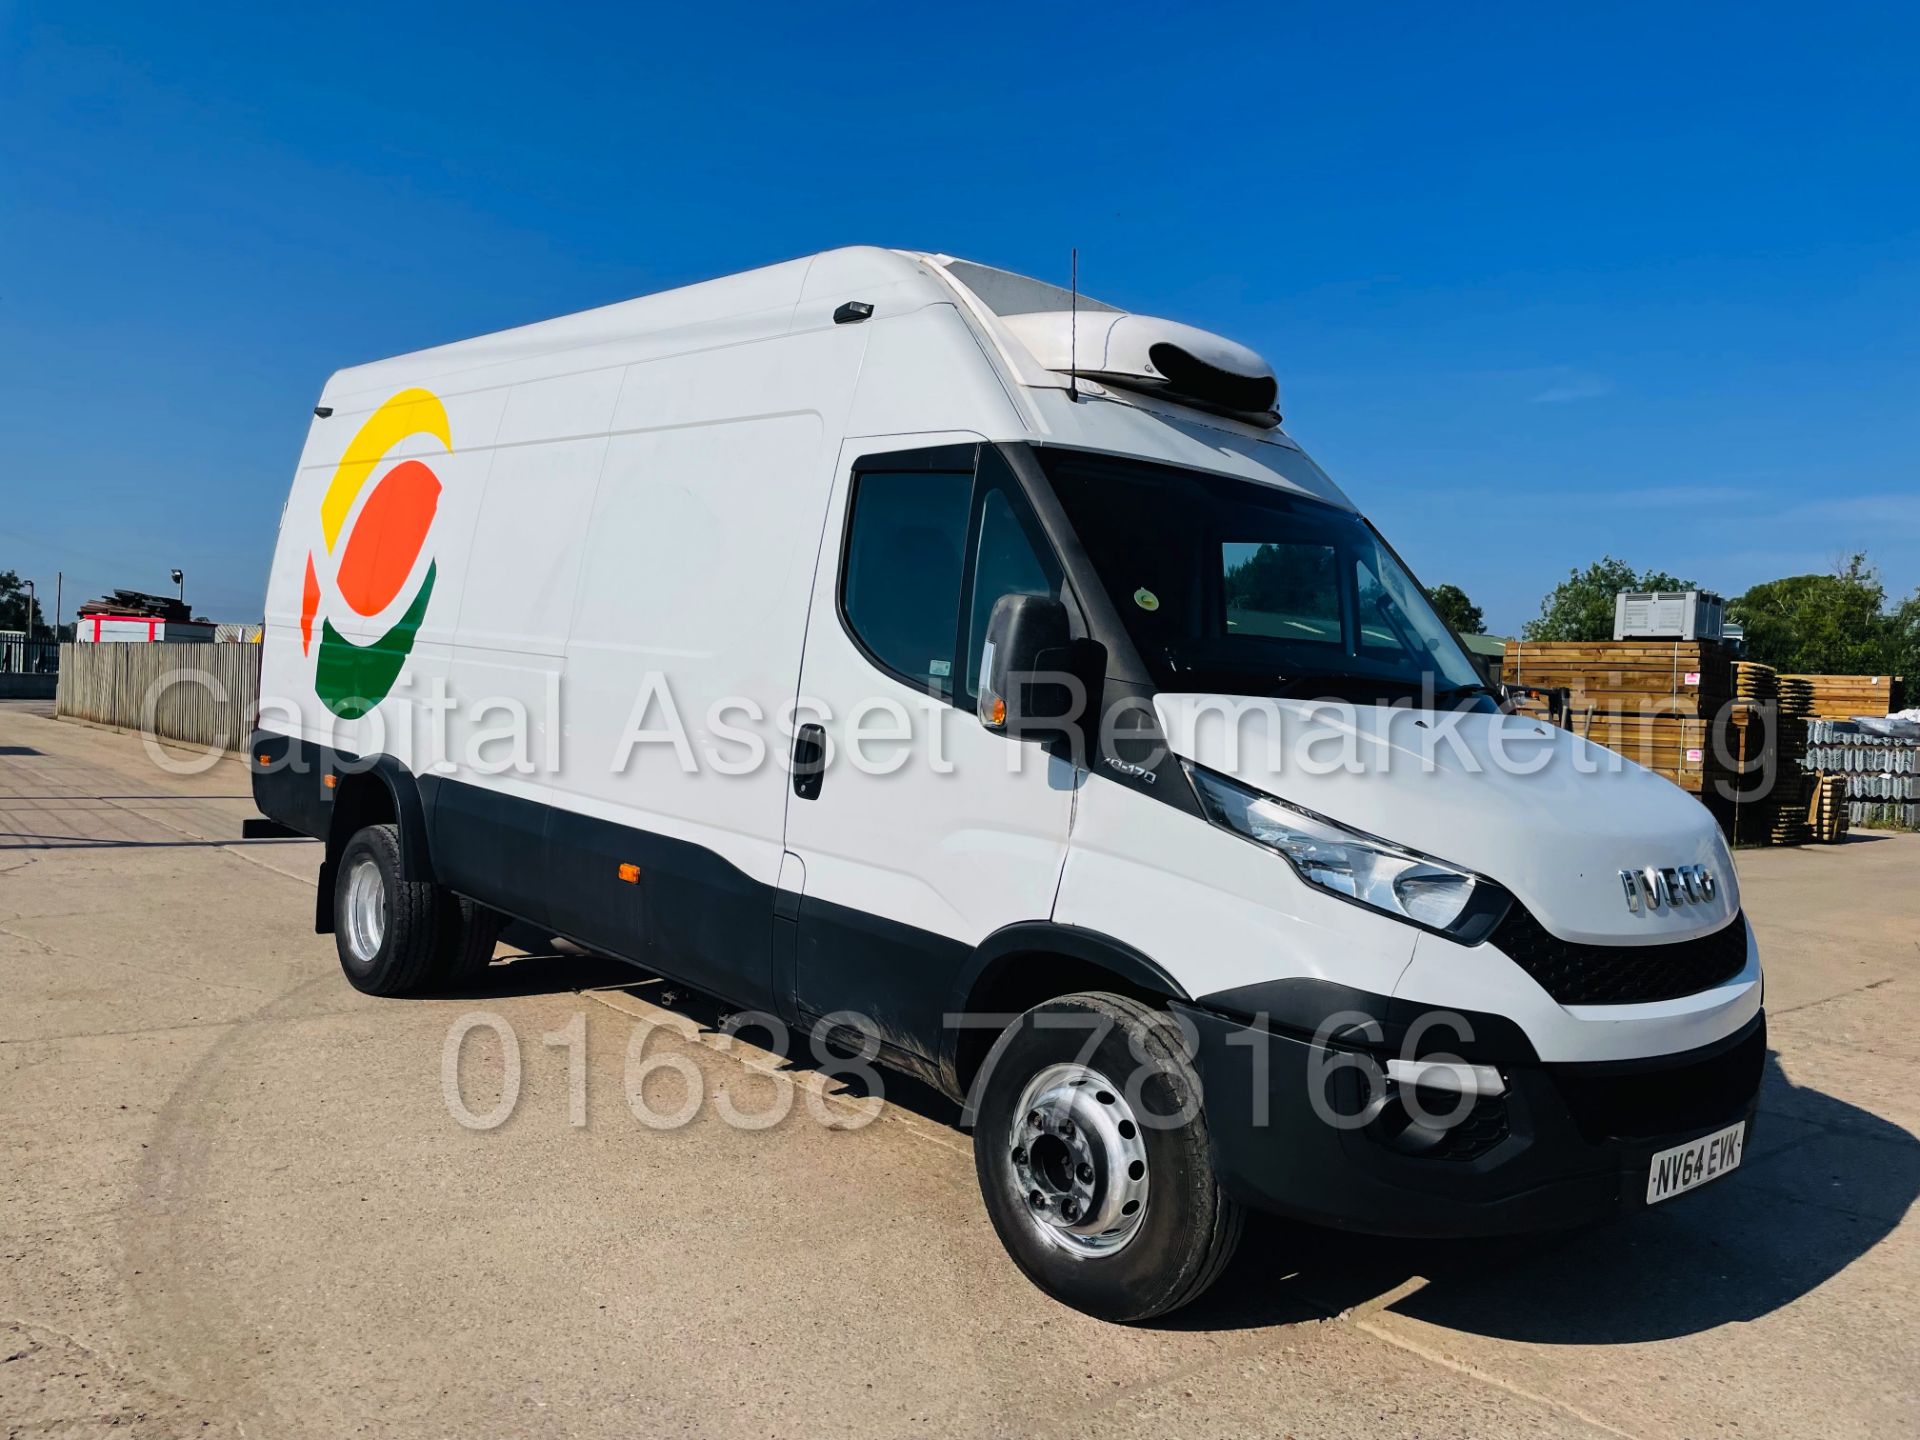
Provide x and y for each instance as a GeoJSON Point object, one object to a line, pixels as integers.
{"type": "Point", "coordinates": [1881, 760]}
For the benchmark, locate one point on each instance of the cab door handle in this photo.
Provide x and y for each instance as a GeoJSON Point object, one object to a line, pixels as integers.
{"type": "Point", "coordinates": [809, 761]}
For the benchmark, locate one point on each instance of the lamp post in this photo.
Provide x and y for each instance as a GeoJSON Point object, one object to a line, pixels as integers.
{"type": "Point", "coordinates": [26, 630]}
{"type": "Point", "coordinates": [180, 579]}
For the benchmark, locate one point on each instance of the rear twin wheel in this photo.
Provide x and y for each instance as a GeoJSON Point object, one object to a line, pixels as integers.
{"type": "Point", "coordinates": [1093, 1159]}
{"type": "Point", "coordinates": [403, 937]}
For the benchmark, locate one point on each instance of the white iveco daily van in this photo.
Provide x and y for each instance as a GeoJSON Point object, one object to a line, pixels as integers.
{"type": "Point", "coordinates": [1198, 863]}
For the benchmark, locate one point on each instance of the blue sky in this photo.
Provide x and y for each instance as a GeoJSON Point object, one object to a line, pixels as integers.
{"type": "Point", "coordinates": [1539, 282]}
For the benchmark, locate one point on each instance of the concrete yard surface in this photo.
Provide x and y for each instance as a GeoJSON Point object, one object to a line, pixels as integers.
{"type": "Point", "coordinates": [235, 1199]}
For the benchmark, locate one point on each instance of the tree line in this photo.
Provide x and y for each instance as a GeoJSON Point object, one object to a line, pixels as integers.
{"type": "Point", "coordinates": [19, 606]}
{"type": "Point", "coordinates": [1840, 623]}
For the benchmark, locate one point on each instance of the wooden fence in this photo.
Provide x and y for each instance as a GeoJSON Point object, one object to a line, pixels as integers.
{"type": "Point", "coordinates": [197, 694]}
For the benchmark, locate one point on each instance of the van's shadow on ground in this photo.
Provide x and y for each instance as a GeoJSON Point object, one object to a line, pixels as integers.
{"type": "Point", "coordinates": [1822, 1183]}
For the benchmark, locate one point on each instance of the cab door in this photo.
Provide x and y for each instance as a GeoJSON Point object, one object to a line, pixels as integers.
{"type": "Point", "coordinates": [915, 849]}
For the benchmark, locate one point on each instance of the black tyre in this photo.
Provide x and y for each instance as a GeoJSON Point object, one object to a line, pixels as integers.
{"type": "Point", "coordinates": [386, 929]}
{"type": "Point", "coordinates": [1090, 1142]}
{"type": "Point", "coordinates": [468, 933]}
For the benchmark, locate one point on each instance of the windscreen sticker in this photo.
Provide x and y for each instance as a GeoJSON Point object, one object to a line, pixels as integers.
{"type": "Point", "coordinates": [1146, 599]}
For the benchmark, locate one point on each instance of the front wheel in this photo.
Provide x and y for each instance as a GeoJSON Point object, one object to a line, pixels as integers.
{"type": "Point", "coordinates": [1090, 1143]}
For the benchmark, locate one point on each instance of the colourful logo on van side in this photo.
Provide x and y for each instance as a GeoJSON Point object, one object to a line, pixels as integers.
{"type": "Point", "coordinates": [376, 553]}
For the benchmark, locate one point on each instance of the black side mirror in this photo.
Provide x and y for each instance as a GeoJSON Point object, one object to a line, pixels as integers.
{"type": "Point", "coordinates": [1036, 681]}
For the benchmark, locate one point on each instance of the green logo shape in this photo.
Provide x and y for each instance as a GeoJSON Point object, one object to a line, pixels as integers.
{"type": "Point", "coordinates": [352, 679]}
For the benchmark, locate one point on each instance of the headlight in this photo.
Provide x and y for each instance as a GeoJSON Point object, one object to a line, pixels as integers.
{"type": "Point", "coordinates": [1370, 871]}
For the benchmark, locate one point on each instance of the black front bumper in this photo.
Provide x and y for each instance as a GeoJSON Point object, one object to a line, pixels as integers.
{"type": "Point", "coordinates": [1566, 1145]}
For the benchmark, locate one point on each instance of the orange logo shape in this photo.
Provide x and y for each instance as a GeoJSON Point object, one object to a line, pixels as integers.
{"type": "Point", "coordinates": [386, 539]}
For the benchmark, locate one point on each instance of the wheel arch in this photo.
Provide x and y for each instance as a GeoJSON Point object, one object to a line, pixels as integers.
{"type": "Point", "coordinates": [1022, 965]}
{"type": "Point", "coordinates": [372, 790]}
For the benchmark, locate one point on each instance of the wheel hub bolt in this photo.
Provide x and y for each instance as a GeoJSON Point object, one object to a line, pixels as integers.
{"type": "Point", "coordinates": [1038, 1200]}
{"type": "Point", "coordinates": [1071, 1209]}
{"type": "Point", "coordinates": [1085, 1174]}
{"type": "Point", "coordinates": [1019, 1155]}
{"type": "Point", "coordinates": [1066, 1129]}
{"type": "Point", "coordinates": [1036, 1119]}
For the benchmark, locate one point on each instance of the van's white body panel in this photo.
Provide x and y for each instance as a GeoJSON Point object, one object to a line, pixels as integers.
{"type": "Point", "coordinates": [1226, 913]}
{"type": "Point", "coordinates": [660, 485]}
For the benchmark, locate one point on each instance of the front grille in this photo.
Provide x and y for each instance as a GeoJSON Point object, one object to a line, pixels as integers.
{"type": "Point", "coordinates": [1639, 1101]}
{"type": "Point", "coordinates": [1579, 974]}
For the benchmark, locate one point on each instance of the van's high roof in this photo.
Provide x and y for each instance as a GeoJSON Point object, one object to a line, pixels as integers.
{"type": "Point", "coordinates": [1184, 395]}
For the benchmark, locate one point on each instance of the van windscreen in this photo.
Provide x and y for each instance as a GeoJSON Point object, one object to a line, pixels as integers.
{"type": "Point", "coordinates": [1240, 588]}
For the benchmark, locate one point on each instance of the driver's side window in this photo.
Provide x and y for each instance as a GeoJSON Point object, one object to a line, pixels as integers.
{"type": "Point", "coordinates": [905, 563]}
{"type": "Point", "coordinates": [927, 555]}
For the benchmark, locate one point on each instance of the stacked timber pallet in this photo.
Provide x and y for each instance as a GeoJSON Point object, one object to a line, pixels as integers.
{"type": "Point", "coordinates": [1790, 761]}
{"type": "Point", "coordinates": [1661, 703]}
{"type": "Point", "coordinates": [1734, 733]}
{"type": "Point", "coordinates": [1828, 814]}
{"type": "Point", "coordinates": [1841, 697]}
{"type": "Point", "coordinates": [1768, 805]}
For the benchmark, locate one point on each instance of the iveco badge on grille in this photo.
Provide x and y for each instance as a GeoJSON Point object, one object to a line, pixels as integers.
{"type": "Point", "coordinates": [1657, 887]}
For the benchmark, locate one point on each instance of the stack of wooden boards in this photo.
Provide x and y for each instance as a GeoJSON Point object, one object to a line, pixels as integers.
{"type": "Point", "coordinates": [1768, 805]}
{"type": "Point", "coordinates": [1841, 697]}
{"type": "Point", "coordinates": [1732, 732]}
{"type": "Point", "coordinates": [1827, 809]}
{"type": "Point", "coordinates": [1661, 703]}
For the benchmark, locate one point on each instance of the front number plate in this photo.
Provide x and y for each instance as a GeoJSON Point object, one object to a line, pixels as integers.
{"type": "Point", "coordinates": [1685, 1167]}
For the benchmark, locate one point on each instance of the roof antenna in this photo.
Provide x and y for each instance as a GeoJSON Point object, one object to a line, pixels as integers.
{"type": "Point", "coordinates": [1073, 327]}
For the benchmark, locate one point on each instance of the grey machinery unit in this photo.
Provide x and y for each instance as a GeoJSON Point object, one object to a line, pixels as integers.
{"type": "Point", "coordinates": [1667, 615]}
